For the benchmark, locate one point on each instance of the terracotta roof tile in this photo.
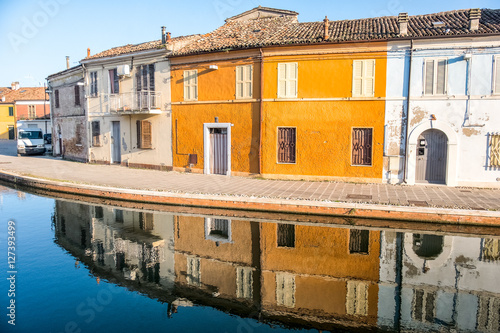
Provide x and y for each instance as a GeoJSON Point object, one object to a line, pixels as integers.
{"type": "Point", "coordinates": [23, 94]}
{"type": "Point", "coordinates": [286, 30]}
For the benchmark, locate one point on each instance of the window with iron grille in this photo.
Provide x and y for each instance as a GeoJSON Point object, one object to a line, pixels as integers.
{"type": "Point", "coordinates": [77, 95]}
{"type": "Point", "coordinates": [244, 81]}
{"type": "Point", "coordinates": [191, 85]}
{"type": "Point", "coordinates": [286, 235]}
{"type": "Point", "coordinates": [144, 134]}
{"type": "Point", "coordinates": [56, 97]}
{"type": "Point", "coordinates": [362, 146]}
{"type": "Point", "coordinates": [31, 111]}
{"type": "Point", "coordinates": [495, 150]}
{"type": "Point", "coordinates": [287, 140]}
{"type": "Point", "coordinates": [114, 83]}
{"type": "Point", "coordinates": [93, 84]}
{"type": "Point", "coordinates": [96, 133]}
{"type": "Point", "coordinates": [363, 78]}
{"type": "Point", "coordinates": [359, 241]}
{"type": "Point", "coordinates": [435, 76]}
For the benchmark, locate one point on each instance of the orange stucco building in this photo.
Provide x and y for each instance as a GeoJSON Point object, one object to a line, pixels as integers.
{"type": "Point", "coordinates": [281, 99]}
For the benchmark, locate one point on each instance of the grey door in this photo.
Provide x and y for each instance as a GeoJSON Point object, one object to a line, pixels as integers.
{"type": "Point", "coordinates": [116, 154]}
{"type": "Point", "coordinates": [432, 148]}
{"type": "Point", "coordinates": [218, 151]}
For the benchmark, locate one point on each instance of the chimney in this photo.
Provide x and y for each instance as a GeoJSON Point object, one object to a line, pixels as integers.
{"type": "Point", "coordinates": [326, 35]}
{"type": "Point", "coordinates": [14, 85]}
{"type": "Point", "coordinates": [474, 17]}
{"type": "Point", "coordinates": [403, 24]}
{"type": "Point", "coordinates": [168, 37]}
{"type": "Point", "coordinates": [67, 62]}
{"type": "Point", "coordinates": [163, 40]}
{"type": "Point", "coordinates": [3, 98]}
{"type": "Point", "coordinates": [88, 52]}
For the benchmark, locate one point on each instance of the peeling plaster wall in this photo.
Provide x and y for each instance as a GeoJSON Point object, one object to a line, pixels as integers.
{"type": "Point", "coordinates": [470, 123]}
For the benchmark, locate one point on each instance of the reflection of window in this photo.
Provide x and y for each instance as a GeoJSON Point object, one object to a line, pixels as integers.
{"type": "Point", "coordinates": [98, 212]}
{"type": "Point", "coordinates": [488, 319]}
{"type": "Point", "coordinates": [120, 260]}
{"type": "Point", "coordinates": [100, 253]}
{"type": "Point", "coordinates": [359, 241]}
{"type": "Point", "coordinates": [357, 298]}
{"type": "Point", "coordinates": [193, 271]}
{"type": "Point", "coordinates": [63, 226]}
{"type": "Point", "coordinates": [427, 246]}
{"type": "Point", "coordinates": [424, 304]}
{"type": "Point", "coordinates": [146, 221]}
{"type": "Point", "coordinates": [286, 235]}
{"type": "Point", "coordinates": [490, 249]}
{"type": "Point", "coordinates": [244, 281]}
{"type": "Point", "coordinates": [285, 290]}
{"type": "Point", "coordinates": [83, 238]}
{"type": "Point", "coordinates": [119, 215]}
{"type": "Point", "coordinates": [218, 230]}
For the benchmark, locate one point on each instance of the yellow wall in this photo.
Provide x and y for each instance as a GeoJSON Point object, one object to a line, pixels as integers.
{"type": "Point", "coordinates": [324, 125]}
{"type": "Point", "coordinates": [324, 121]}
{"type": "Point", "coordinates": [6, 120]}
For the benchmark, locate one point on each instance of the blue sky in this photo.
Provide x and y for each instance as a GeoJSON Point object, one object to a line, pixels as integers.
{"type": "Point", "coordinates": [37, 35]}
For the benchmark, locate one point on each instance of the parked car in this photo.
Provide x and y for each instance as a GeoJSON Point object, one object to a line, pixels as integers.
{"type": "Point", "coordinates": [30, 141]}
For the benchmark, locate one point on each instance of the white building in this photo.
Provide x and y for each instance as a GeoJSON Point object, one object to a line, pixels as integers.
{"type": "Point", "coordinates": [450, 83]}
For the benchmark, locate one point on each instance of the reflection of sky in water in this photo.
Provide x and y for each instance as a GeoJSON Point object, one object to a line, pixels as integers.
{"type": "Point", "coordinates": [104, 268]}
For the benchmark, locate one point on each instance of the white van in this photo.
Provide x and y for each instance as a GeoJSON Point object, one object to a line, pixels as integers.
{"type": "Point", "coordinates": [30, 141]}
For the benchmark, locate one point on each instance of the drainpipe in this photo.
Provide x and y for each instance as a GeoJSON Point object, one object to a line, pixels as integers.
{"type": "Point", "coordinates": [261, 108]}
{"type": "Point", "coordinates": [86, 111]}
{"type": "Point", "coordinates": [407, 125]}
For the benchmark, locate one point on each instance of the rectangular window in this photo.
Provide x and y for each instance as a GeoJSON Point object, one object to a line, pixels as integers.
{"type": "Point", "coordinates": [286, 235]}
{"type": "Point", "coordinates": [79, 129]}
{"type": "Point", "coordinates": [145, 86]}
{"type": "Point", "coordinates": [114, 85]}
{"type": "Point", "coordinates": [56, 97]}
{"type": "Point", "coordinates": [494, 150]}
{"type": "Point", "coordinates": [191, 85]}
{"type": "Point", "coordinates": [144, 136]}
{"type": "Point", "coordinates": [286, 144]}
{"type": "Point", "coordinates": [96, 133]}
{"type": "Point", "coordinates": [244, 81]}
{"type": "Point", "coordinates": [363, 78]}
{"type": "Point", "coordinates": [435, 77]}
{"type": "Point", "coordinates": [77, 95]}
{"type": "Point", "coordinates": [93, 84]}
{"type": "Point", "coordinates": [357, 298]}
{"type": "Point", "coordinates": [285, 290]}
{"type": "Point", "coordinates": [31, 112]}
{"type": "Point", "coordinates": [359, 241]}
{"type": "Point", "coordinates": [288, 80]}
{"type": "Point", "coordinates": [146, 221]}
{"type": "Point", "coordinates": [496, 75]}
{"type": "Point", "coordinates": [424, 305]}
{"type": "Point", "coordinates": [362, 146]}
{"type": "Point", "coordinates": [11, 111]}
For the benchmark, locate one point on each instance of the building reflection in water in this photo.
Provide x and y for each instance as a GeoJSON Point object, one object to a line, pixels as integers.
{"type": "Point", "coordinates": [323, 277]}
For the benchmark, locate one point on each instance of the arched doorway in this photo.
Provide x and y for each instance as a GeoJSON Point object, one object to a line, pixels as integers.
{"type": "Point", "coordinates": [431, 157]}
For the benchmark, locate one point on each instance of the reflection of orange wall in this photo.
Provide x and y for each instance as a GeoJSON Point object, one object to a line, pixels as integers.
{"type": "Point", "coordinates": [320, 251]}
{"type": "Point", "coordinates": [319, 296]}
{"type": "Point", "coordinates": [190, 238]}
{"type": "Point", "coordinates": [219, 88]}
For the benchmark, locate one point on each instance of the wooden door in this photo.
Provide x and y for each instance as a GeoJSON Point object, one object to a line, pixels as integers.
{"type": "Point", "coordinates": [431, 157]}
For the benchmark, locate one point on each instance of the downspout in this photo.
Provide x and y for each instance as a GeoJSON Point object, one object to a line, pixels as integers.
{"type": "Point", "coordinates": [407, 125]}
{"type": "Point", "coordinates": [261, 108]}
{"type": "Point", "coordinates": [89, 124]}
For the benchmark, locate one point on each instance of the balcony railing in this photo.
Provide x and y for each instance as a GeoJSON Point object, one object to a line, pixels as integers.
{"type": "Point", "coordinates": [138, 101]}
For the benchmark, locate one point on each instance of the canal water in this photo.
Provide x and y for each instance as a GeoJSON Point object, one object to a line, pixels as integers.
{"type": "Point", "coordinates": [96, 268]}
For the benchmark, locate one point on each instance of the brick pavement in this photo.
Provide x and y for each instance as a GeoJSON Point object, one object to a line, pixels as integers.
{"type": "Point", "coordinates": [46, 167]}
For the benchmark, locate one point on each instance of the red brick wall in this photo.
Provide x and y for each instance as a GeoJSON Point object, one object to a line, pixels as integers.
{"type": "Point", "coordinates": [22, 111]}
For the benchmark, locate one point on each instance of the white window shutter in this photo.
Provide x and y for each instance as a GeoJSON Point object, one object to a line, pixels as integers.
{"type": "Point", "coordinates": [248, 84]}
{"type": "Point", "coordinates": [369, 78]}
{"type": "Point", "coordinates": [429, 77]}
{"type": "Point", "coordinates": [239, 81]}
{"type": "Point", "coordinates": [441, 77]}
{"type": "Point", "coordinates": [186, 85]}
{"type": "Point", "coordinates": [357, 78]}
{"type": "Point", "coordinates": [497, 76]}
{"type": "Point", "coordinates": [292, 80]}
{"type": "Point", "coordinates": [282, 80]}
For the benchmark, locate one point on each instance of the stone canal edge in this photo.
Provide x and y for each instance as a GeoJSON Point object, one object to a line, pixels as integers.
{"type": "Point", "coordinates": [255, 204]}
